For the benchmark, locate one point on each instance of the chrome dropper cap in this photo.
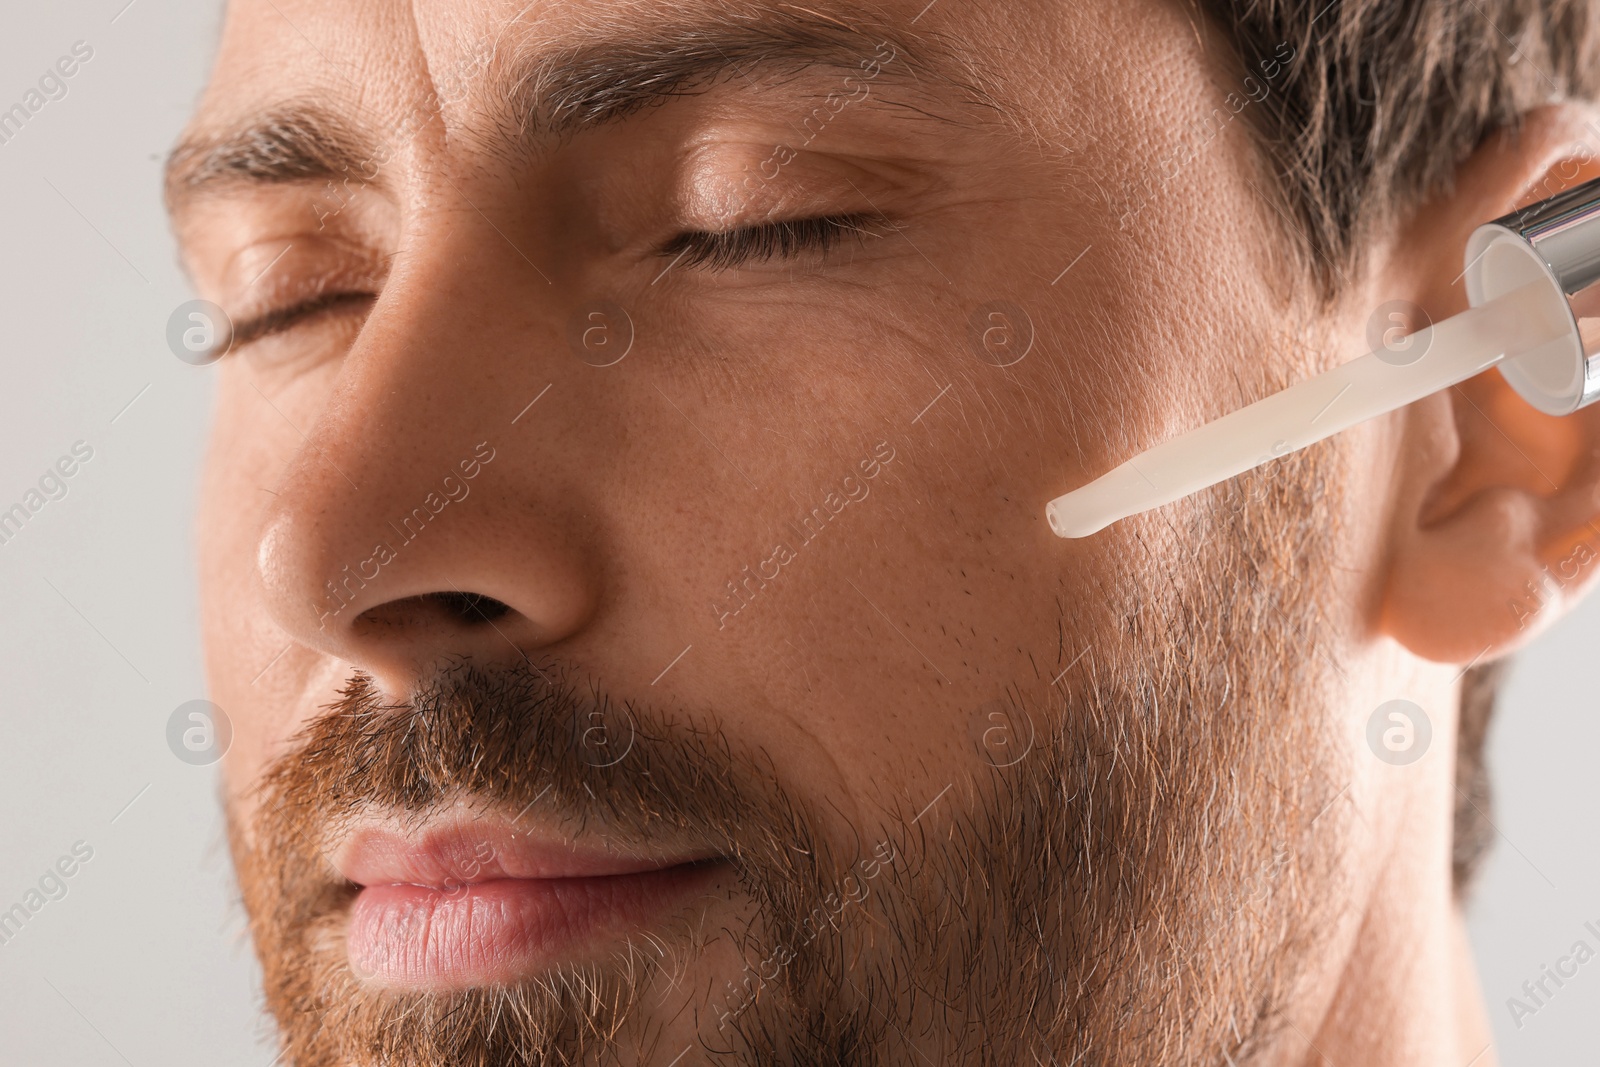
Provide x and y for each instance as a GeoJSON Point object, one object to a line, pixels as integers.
{"type": "Point", "coordinates": [1556, 240]}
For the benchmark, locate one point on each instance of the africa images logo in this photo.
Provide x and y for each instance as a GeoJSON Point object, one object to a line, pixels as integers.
{"type": "Point", "coordinates": [341, 592]}
{"type": "Point", "coordinates": [52, 886]}
{"type": "Point", "coordinates": [52, 85]}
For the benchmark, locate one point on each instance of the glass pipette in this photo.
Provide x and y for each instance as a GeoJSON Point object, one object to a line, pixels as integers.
{"type": "Point", "coordinates": [1531, 280]}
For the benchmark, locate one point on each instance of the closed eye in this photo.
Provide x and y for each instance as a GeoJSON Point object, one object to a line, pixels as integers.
{"type": "Point", "coordinates": [280, 319]}
{"type": "Point", "coordinates": [786, 239]}
{"type": "Point", "coordinates": [713, 250]}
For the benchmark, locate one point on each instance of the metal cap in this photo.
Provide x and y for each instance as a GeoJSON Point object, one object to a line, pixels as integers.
{"type": "Point", "coordinates": [1558, 240]}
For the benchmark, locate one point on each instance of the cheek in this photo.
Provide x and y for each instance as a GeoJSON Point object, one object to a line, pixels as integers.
{"type": "Point", "coordinates": [238, 479]}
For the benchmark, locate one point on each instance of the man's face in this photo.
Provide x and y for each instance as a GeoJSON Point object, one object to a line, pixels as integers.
{"type": "Point", "coordinates": [624, 554]}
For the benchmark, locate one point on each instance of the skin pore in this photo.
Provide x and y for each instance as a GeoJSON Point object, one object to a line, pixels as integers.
{"type": "Point", "coordinates": [955, 791]}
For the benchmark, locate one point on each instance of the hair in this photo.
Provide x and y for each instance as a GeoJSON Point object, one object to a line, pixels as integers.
{"type": "Point", "coordinates": [1385, 99]}
{"type": "Point", "coordinates": [1382, 103]}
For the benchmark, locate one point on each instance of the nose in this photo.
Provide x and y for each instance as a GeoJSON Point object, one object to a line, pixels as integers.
{"type": "Point", "coordinates": [417, 522]}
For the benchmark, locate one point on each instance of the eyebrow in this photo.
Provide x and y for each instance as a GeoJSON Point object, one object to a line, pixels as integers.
{"type": "Point", "coordinates": [555, 94]}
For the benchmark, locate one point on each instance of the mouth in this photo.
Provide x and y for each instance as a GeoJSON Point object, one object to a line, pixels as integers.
{"type": "Point", "coordinates": [475, 902]}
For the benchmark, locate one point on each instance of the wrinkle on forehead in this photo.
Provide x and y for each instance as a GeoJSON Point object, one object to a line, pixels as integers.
{"type": "Point", "coordinates": [530, 95]}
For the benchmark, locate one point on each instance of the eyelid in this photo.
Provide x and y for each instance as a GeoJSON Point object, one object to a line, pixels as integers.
{"type": "Point", "coordinates": [277, 320]}
{"type": "Point", "coordinates": [718, 250]}
{"type": "Point", "coordinates": [274, 282]}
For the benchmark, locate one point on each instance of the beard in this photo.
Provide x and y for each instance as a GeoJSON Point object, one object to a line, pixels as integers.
{"type": "Point", "coordinates": [1125, 870]}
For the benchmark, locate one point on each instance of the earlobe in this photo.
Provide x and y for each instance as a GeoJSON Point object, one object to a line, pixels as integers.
{"type": "Point", "coordinates": [1496, 529]}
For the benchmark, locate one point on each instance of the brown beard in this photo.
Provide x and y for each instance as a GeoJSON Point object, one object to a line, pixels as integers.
{"type": "Point", "coordinates": [1138, 888]}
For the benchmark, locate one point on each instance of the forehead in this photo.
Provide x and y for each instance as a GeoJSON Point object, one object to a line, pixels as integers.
{"type": "Point", "coordinates": [387, 68]}
{"type": "Point", "coordinates": [351, 40]}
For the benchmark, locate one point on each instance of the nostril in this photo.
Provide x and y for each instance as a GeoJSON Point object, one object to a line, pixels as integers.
{"type": "Point", "coordinates": [453, 609]}
{"type": "Point", "coordinates": [469, 607]}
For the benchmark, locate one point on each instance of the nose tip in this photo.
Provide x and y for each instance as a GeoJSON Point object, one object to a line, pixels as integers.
{"type": "Point", "coordinates": [281, 556]}
{"type": "Point", "coordinates": [395, 601]}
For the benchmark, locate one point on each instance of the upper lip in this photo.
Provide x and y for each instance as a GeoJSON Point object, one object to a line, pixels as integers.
{"type": "Point", "coordinates": [466, 851]}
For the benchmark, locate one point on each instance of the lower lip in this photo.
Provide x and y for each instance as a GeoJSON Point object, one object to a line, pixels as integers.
{"type": "Point", "coordinates": [499, 931]}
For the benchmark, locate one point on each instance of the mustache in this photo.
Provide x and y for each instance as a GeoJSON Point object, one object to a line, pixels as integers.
{"type": "Point", "coordinates": [536, 742]}
{"type": "Point", "coordinates": [536, 737]}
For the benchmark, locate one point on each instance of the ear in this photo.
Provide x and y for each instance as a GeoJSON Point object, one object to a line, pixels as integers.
{"type": "Point", "coordinates": [1496, 525]}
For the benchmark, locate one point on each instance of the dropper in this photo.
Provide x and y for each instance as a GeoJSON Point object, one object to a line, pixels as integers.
{"type": "Point", "coordinates": [1531, 280]}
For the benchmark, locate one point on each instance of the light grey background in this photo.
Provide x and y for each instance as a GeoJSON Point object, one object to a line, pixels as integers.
{"type": "Point", "coordinates": [144, 961]}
